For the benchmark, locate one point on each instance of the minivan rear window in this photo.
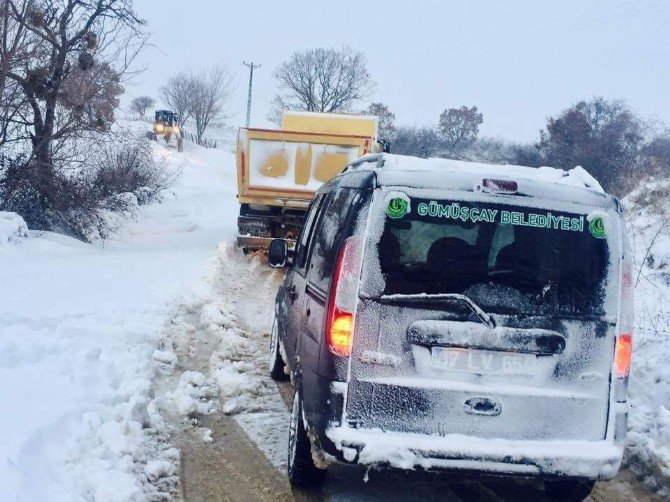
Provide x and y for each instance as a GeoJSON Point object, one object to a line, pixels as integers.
{"type": "Point", "coordinates": [507, 259]}
{"type": "Point", "coordinates": [329, 232]}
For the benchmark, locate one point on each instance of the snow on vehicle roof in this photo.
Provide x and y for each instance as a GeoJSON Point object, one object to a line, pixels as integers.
{"type": "Point", "coordinates": [397, 167]}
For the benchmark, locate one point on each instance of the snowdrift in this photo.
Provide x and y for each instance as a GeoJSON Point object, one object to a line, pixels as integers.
{"type": "Point", "coordinates": [12, 228]}
{"type": "Point", "coordinates": [648, 452]}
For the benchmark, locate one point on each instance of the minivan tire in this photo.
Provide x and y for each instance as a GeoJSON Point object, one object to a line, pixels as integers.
{"type": "Point", "coordinates": [301, 468]}
{"type": "Point", "coordinates": [571, 490]}
{"type": "Point", "coordinates": [276, 361]}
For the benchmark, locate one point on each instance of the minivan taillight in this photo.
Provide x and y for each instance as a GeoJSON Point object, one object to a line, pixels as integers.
{"type": "Point", "coordinates": [622, 355]}
{"type": "Point", "coordinates": [343, 295]}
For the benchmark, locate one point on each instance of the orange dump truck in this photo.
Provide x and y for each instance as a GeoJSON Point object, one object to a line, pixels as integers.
{"type": "Point", "coordinates": [278, 171]}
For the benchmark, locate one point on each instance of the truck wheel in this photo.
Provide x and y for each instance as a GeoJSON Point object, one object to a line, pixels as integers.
{"type": "Point", "coordinates": [301, 468]}
{"type": "Point", "coordinates": [180, 144]}
{"type": "Point", "coordinates": [568, 490]}
{"type": "Point", "coordinates": [276, 361]}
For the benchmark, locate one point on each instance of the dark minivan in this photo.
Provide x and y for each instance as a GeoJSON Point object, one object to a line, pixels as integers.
{"type": "Point", "coordinates": [446, 315]}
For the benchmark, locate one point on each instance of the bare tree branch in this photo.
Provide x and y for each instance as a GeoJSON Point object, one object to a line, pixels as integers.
{"type": "Point", "coordinates": [201, 96]}
{"type": "Point", "coordinates": [141, 104]}
{"type": "Point", "coordinates": [211, 91]}
{"type": "Point", "coordinates": [177, 95]}
{"type": "Point", "coordinates": [66, 72]}
{"type": "Point", "coordinates": [321, 80]}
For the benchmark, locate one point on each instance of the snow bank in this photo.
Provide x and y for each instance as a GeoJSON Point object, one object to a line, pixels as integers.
{"type": "Point", "coordinates": [648, 449]}
{"type": "Point", "coordinates": [79, 326]}
{"type": "Point", "coordinates": [193, 395]}
{"type": "Point", "coordinates": [12, 228]}
{"type": "Point", "coordinates": [232, 372]}
{"type": "Point", "coordinates": [226, 331]}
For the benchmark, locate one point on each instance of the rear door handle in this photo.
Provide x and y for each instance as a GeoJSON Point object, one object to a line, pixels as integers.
{"type": "Point", "coordinates": [482, 406]}
{"type": "Point", "coordinates": [292, 293]}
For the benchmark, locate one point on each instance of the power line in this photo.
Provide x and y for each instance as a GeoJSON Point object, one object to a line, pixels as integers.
{"type": "Point", "coordinates": [251, 67]}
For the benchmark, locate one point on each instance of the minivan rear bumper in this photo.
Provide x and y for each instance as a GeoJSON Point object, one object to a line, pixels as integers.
{"type": "Point", "coordinates": [582, 459]}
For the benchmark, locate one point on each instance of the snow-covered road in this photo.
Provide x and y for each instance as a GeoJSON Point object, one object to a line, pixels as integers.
{"type": "Point", "coordinates": [78, 326]}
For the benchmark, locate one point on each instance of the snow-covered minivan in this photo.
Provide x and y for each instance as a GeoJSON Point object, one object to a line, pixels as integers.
{"type": "Point", "coordinates": [439, 314]}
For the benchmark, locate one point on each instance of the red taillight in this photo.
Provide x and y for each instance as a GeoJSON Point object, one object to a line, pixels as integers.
{"type": "Point", "coordinates": [342, 300]}
{"type": "Point", "coordinates": [622, 355]}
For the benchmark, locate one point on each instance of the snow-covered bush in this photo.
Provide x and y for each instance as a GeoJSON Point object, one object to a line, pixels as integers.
{"type": "Point", "coordinates": [44, 196]}
{"type": "Point", "coordinates": [12, 228]}
{"type": "Point", "coordinates": [87, 193]}
{"type": "Point", "coordinates": [146, 195]}
{"type": "Point", "coordinates": [128, 165]}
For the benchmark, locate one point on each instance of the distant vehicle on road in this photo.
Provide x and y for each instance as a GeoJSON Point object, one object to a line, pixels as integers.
{"type": "Point", "coordinates": [278, 171]}
{"type": "Point", "coordinates": [440, 314]}
{"type": "Point", "coordinates": [166, 125]}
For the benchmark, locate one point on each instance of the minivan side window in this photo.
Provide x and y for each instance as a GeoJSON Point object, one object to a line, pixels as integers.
{"type": "Point", "coordinates": [328, 233]}
{"type": "Point", "coordinates": [307, 231]}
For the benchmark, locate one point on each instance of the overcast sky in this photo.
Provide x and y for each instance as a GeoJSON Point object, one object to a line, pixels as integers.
{"type": "Point", "coordinates": [518, 61]}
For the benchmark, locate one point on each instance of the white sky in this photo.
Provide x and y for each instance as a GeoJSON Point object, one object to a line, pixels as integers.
{"type": "Point", "coordinates": [519, 61]}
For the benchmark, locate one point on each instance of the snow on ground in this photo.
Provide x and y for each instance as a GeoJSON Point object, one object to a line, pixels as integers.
{"type": "Point", "coordinates": [78, 326]}
{"type": "Point", "coordinates": [12, 228]}
{"type": "Point", "coordinates": [648, 452]}
{"type": "Point", "coordinates": [224, 334]}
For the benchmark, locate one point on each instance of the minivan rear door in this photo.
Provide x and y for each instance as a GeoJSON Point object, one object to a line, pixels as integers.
{"type": "Point", "coordinates": [485, 315]}
{"type": "Point", "coordinates": [294, 284]}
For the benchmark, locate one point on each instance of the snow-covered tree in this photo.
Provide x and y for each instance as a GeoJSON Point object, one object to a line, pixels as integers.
{"type": "Point", "coordinates": [603, 136]}
{"type": "Point", "coordinates": [176, 93]}
{"type": "Point", "coordinates": [141, 104]}
{"type": "Point", "coordinates": [417, 141]}
{"type": "Point", "coordinates": [210, 93]}
{"type": "Point", "coordinates": [202, 96]}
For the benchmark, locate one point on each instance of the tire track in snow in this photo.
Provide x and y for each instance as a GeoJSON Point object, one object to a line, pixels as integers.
{"type": "Point", "coordinates": [216, 392]}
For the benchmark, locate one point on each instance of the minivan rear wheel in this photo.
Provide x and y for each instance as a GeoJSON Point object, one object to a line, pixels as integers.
{"type": "Point", "coordinates": [301, 467]}
{"type": "Point", "coordinates": [568, 490]}
{"type": "Point", "coordinates": [276, 360]}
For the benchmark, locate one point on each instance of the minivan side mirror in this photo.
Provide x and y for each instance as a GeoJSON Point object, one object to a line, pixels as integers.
{"type": "Point", "coordinates": [279, 253]}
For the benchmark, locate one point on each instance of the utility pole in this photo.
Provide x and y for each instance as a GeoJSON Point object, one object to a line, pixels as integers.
{"type": "Point", "coordinates": [251, 67]}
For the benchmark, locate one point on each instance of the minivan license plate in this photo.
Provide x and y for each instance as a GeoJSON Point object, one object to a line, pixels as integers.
{"type": "Point", "coordinates": [483, 361]}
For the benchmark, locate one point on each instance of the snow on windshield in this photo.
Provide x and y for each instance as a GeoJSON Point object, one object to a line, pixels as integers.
{"type": "Point", "coordinates": [511, 259]}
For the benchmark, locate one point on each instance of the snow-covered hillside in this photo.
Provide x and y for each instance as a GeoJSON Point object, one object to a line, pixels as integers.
{"type": "Point", "coordinates": [78, 326]}
{"type": "Point", "coordinates": [649, 423]}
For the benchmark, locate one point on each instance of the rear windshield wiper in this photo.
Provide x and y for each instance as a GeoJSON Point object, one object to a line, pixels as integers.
{"type": "Point", "coordinates": [446, 297]}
